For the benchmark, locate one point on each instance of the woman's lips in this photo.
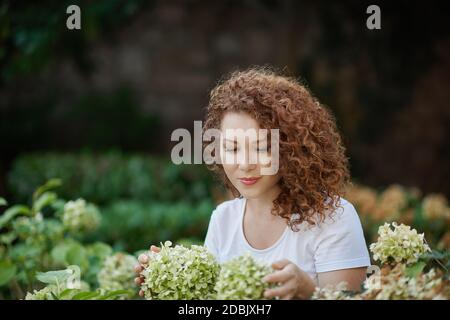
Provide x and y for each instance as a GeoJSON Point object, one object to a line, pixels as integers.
{"type": "Point", "coordinates": [249, 181]}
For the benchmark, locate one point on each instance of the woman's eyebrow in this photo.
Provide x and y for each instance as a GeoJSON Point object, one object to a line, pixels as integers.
{"type": "Point", "coordinates": [257, 141]}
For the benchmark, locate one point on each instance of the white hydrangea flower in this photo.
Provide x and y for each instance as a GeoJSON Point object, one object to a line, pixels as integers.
{"type": "Point", "coordinates": [241, 279]}
{"type": "Point", "coordinates": [396, 285]}
{"type": "Point", "coordinates": [27, 227]}
{"type": "Point", "coordinates": [398, 244]}
{"type": "Point", "coordinates": [117, 272]}
{"type": "Point", "coordinates": [43, 294]}
{"type": "Point", "coordinates": [180, 273]}
{"type": "Point", "coordinates": [333, 292]}
{"type": "Point", "coordinates": [392, 284]}
{"type": "Point", "coordinates": [51, 291]}
{"type": "Point", "coordinates": [80, 216]}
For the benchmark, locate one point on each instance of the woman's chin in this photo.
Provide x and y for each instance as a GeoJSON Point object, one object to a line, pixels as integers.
{"type": "Point", "coordinates": [250, 194]}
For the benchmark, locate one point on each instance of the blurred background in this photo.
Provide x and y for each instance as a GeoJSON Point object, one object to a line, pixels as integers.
{"type": "Point", "coordinates": [95, 107]}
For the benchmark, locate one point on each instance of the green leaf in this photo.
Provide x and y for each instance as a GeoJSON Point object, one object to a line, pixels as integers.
{"type": "Point", "coordinates": [27, 253]}
{"type": "Point", "coordinates": [44, 200]}
{"type": "Point", "coordinates": [54, 295]}
{"type": "Point", "coordinates": [100, 250]}
{"type": "Point", "coordinates": [50, 184]}
{"type": "Point", "coordinates": [415, 269]}
{"type": "Point", "coordinates": [58, 206]}
{"type": "Point", "coordinates": [85, 295]}
{"type": "Point", "coordinates": [67, 292]}
{"type": "Point", "coordinates": [114, 294]}
{"type": "Point", "coordinates": [54, 277]}
{"type": "Point", "coordinates": [77, 255]}
{"type": "Point", "coordinates": [3, 202]}
{"type": "Point", "coordinates": [12, 212]}
{"type": "Point", "coordinates": [7, 272]}
{"type": "Point", "coordinates": [8, 237]}
{"type": "Point", "coordinates": [59, 252]}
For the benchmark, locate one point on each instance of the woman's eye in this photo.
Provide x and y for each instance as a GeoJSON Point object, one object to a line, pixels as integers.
{"type": "Point", "coordinates": [262, 149]}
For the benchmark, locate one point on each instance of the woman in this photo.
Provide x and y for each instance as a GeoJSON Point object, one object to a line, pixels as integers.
{"type": "Point", "coordinates": [295, 219]}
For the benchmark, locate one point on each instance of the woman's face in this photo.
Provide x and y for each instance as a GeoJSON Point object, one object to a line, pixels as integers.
{"type": "Point", "coordinates": [249, 154]}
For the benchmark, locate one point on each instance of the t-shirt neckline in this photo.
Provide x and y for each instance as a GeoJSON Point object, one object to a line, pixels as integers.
{"type": "Point", "coordinates": [273, 246]}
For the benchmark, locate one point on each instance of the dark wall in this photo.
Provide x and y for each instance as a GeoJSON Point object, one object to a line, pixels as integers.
{"type": "Point", "coordinates": [127, 83]}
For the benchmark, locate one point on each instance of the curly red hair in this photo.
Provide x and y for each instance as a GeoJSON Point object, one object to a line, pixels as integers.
{"type": "Point", "coordinates": [313, 166]}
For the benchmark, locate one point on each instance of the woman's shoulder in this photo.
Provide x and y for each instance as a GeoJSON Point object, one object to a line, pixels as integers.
{"type": "Point", "coordinates": [229, 209]}
{"type": "Point", "coordinates": [345, 210]}
{"type": "Point", "coordinates": [344, 215]}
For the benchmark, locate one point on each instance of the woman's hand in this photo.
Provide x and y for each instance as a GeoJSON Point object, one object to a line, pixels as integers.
{"type": "Point", "coordinates": [143, 262]}
{"type": "Point", "coordinates": [293, 282]}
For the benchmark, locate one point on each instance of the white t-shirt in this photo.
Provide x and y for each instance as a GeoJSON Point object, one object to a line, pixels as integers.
{"type": "Point", "coordinates": [337, 243]}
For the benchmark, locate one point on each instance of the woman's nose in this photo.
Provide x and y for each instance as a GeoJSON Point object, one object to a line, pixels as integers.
{"type": "Point", "coordinates": [247, 161]}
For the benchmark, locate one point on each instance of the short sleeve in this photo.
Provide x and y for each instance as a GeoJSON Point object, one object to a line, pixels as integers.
{"type": "Point", "coordinates": [340, 243]}
{"type": "Point", "coordinates": [211, 241]}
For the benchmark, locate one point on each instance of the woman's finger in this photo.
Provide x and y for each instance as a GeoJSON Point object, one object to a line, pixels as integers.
{"type": "Point", "coordinates": [278, 265]}
{"type": "Point", "coordinates": [138, 281]}
{"type": "Point", "coordinates": [155, 249]}
{"type": "Point", "coordinates": [143, 258]}
{"type": "Point", "coordinates": [277, 277]}
{"type": "Point", "coordinates": [138, 268]}
{"type": "Point", "coordinates": [277, 292]}
{"type": "Point", "coordinates": [141, 293]}
{"type": "Point", "coordinates": [289, 296]}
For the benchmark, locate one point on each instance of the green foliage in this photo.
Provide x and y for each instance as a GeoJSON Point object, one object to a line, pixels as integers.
{"type": "Point", "coordinates": [32, 242]}
{"type": "Point", "coordinates": [7, 271]}
{"type": "Point", "coordinates": [11, 213]}
{"type": "Point", "coordinates": [132, 225]}
{"type": "Point", "coordinates": [109, 177]}
{"type": "Point", "coordinates": [39, 238]}
{"type": "Point", "coordinates": [438, 259]}
{"type": "Point", "coordinates": [144, 198]}
{"type": "Point", "coordinates": [415, 269]}
{"type": "Point", "coordinates": [57, 288]}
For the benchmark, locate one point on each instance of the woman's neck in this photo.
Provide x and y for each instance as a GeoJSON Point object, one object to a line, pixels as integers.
{"type": "Point", "coordinates": [262, 206]}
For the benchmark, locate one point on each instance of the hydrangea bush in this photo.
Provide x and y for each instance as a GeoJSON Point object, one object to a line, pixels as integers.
{"type": "Point", "coordinates": [117, 272]}
{"type": "Point", "coordinates": [241, 279]}
{"type": "Point", "coordinates": [392, 284]}
{"type": "Point", "coordinates": [46, 293]}
{"type": "Point", "coordinates": [398, 243]}
{"type": "Point", "coordinates": [47, 235]}
{"type": "Point", "coordinates": [399, 250]}
{"type": "Point", "coordinates": [58, 283]}
{"type": "Point", "coordinates": [395, 284]}
{"type": "Point", "coordinates": [53, 292]}
{"type": "Point", "coordinates": [333, 292]}
{"type": "Point", "coordinates": [80, 216]}
{"type": "Point", "coordinates": [180, 273]}
{"type": "Point", "coordinates": [60, 286]}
